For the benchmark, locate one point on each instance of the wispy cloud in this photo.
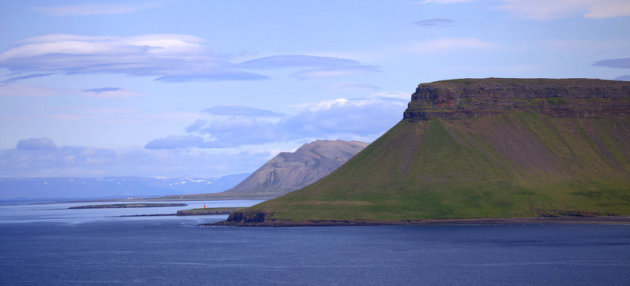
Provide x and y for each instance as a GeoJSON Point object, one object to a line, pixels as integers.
{"type": "Point", "coordinates": [622, 63]}
{"type": "Point", "coordinates": [584, 44]}
{"type": "Point", "coordinates": [316, 66]}
{"type": "Point", "coordinates": [239, 110]}
{"type": "Point", "coordinates": [23, 77]}
{"type": "Point", "coordinates": [351, 87]}
{"type": "Point", "coordinates": [544, 10]}
{"type": "Point", "coordinates": [435, 22]}
{"type": "Point", "coordinates": [110, 92]}
{"type": "Point", "coordinates": [15, 89]}
{"type": "Point", "coordinates": [334, 72]}
{"type": "Point", "coordinates": [95, 9]}
{"type": "Point", "coordinates": [102, 90]}
{"type": "Point", "coordinates": [448, 45]}
{"type": "Point", "coordinates": [223, 133]}
{"type": "Point", "coordinates": [167, 56]}
{"type": "Point", "coordinates": [213, 76]}
{"type": "Point", "coordinates": [299, 61]}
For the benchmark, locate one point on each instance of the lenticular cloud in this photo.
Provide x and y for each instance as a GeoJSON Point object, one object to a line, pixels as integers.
{"type": "Point", "coordinates": [162, 55]}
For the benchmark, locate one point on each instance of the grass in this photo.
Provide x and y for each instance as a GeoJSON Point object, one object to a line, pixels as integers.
{"type": "Point", "coordinates": [461, 169]}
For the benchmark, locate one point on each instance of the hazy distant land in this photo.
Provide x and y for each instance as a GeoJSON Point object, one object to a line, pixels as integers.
{"type": "Point", "coordinates": [130, 205]}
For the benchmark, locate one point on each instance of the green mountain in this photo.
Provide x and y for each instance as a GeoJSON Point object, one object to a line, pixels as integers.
{"type": "Point", "coordinates": [481, 148]}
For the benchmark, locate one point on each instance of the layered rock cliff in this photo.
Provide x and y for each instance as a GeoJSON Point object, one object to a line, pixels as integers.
{"type": "Point", "coordinates": [465, 98]}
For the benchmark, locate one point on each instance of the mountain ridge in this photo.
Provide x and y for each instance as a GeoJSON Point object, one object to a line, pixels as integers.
{"type": "Point", "coordinates": [289, 171]}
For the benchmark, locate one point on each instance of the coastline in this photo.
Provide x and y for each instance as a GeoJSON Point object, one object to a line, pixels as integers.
{"type": "Point", "coordinates": [128, 205]}
{"type": "Point", "coordinates": [620, 220]}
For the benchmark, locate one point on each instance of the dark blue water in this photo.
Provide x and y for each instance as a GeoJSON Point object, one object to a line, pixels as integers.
{"type": "Point", "coordinates": [171, 252]}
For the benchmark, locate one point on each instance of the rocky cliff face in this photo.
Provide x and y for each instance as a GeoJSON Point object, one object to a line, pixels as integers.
{"type": "Point", "coordinates": [290, 171]}
{"type": "Point", "coordinates": [466, 98]}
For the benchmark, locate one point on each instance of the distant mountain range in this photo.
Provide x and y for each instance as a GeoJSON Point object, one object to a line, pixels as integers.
{"type": "Point", "coordinates": [290, 171]}
{"type": "Point", "coordinates": [480, 148]}
{"type": "Point", "coordinates": [110, 187]}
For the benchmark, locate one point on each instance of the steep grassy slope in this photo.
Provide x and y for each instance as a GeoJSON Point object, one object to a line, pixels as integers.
{"type": "Point", "coordinates": [519, 162]}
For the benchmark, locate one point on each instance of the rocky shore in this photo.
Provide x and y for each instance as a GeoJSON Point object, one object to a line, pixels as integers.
{"type": "Point", "coordinates": [207, 211]}
{"type": "Point", "coordinates": [259, 219]}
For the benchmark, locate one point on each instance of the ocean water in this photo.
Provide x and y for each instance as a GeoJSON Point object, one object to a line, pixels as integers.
{"type": "Point", "coordinates": [108, 250]}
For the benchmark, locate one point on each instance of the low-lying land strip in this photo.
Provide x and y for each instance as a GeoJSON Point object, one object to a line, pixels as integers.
{"type": "Point", "coordinates": [207, 211]}
{"type": "Point", "coordinates": [130, 205]}
{"type": "Point", "coordinates": [447, 221]}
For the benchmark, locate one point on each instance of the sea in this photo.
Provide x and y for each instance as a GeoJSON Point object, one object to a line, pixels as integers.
{"type": "Point", "coordinates": [49, 244]}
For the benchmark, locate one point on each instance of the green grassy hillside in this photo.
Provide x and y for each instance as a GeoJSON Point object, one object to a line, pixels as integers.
{"type": "Point", "coordinates": [515, 164]}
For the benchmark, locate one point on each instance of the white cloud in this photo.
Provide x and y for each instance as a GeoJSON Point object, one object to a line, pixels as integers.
{"type": "Point", "coordinates": [168, 57]}
{"type": "Point", "coordinates": [95, 9]}
{"type": "Point", "coordinates": [232, 144]}
{"type": "Point", "coordinates": [393, 94]}
{"type": "Point", "coordinates": [171, 57]}
{"type": "Point", "coordinates": [447, 45]}
{"type": "Point", "coordinates": [348, 119]}
{"type": "Point", "coordinates": [342, 118]}
{"type": "Point", "coordinates": [544, 9]}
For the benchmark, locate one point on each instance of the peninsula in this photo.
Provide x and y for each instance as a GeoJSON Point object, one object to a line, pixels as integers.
{"type": "Point", "coordinates": [480, 149]}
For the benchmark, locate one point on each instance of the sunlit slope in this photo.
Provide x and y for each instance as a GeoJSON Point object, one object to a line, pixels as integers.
{"type": "Point", "coordinates": [516, 163]}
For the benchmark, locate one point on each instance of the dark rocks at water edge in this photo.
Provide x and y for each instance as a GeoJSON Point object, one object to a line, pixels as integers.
{"type": "Point", "coordinates": [193, 212]}
{"type": "Point", "coordinates": [207, 211]}
{"type": "Point", "coordinates": [258, 218]}
{"type": "Point", "coordinates": [131, 205]}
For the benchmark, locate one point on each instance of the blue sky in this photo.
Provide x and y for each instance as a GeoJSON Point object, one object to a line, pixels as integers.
{"type": "Point", "coordinates": [210, 88]}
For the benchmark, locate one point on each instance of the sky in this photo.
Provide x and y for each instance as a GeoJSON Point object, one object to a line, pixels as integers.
{"type": "Point", "coordinates": [211, 88]}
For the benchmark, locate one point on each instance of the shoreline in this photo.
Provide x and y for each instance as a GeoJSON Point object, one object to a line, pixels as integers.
{"type": "Point", "coordinates": [617, 220]}
{"type": "Point", "coordinates": [128, 205]}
